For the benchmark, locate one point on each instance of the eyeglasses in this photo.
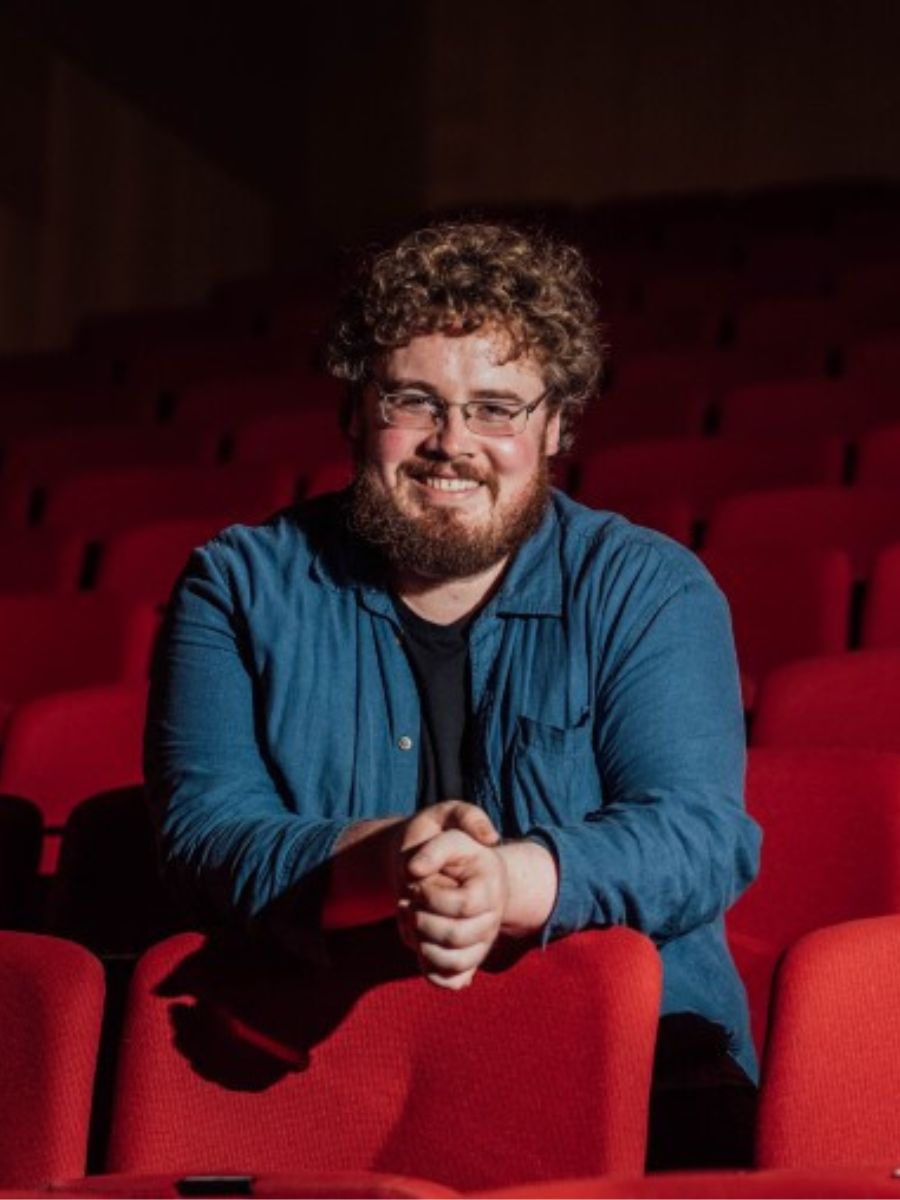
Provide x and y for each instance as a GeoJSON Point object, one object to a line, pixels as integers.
{"type": "Point", "coordinates": [411, 409]}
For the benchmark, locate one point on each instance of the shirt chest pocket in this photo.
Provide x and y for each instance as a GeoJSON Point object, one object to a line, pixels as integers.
{"type": "Point", "coordinates": [550, 774]}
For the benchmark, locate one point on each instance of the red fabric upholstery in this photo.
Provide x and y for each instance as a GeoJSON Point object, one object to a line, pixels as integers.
{"type": "Point", "coordinates": [35, 560]}
{"type": "Point", "coordinates": [304, 437]}
{"type": "Point", "coordinates": [842, 700]}
{"type": "Point", "coordinates": [784, 604]}
{"type": "Point", "coordinates": [878, 453]}
{"type": "Point", "coordinates": [51, 1003]}
{"type": "Point", "coordinates": [858, 520]}
{"type": "Point", "coordinates": [791, 408]}
{"type": "Point", "coordinates": [143, 563]}
{"type": "Point", "coordinates": [822, 812]}
{"type": "Point", "coordinates": [350, 1185]}
{"type": "Point", "coordinates": [231, 1063]}
{"type": "Point", "coordinates": [631, 413]}
{"type": "Point", "coordinates": [881, 619]}
{"type": "Point", "coordinates": [766, 1185]}
{"type": "Point", "coordinates": [66, 746]}
{"type": "Point", "coordinates": [831, 1080]}
{"type": "Point", "coordinates": [703, 470]}
{"type": "Point", "coordinates": [52, 642]}
{"type": "Point", "coordinates": [104, 502]}
{"type": "Point", "coordinates": [220, 403]}
{"type": "Point", "coordinates": [329, 477]}
{"type": "Point", "coordinates": [785, 322]}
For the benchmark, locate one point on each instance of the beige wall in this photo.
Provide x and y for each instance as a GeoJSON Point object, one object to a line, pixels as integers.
{"type": "Point", "coordinates": [102, 209]}
{"type": "Point", "coordinates": [577, 100]}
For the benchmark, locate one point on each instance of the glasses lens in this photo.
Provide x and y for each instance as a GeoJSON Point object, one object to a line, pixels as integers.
{"type": "Point", "coordinates": [410, 410]}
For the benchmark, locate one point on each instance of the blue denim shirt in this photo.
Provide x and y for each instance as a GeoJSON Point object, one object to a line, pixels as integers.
{"type": "Point", "coordinates": [608, 725]}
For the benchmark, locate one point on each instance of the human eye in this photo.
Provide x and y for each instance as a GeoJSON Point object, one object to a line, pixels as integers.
{"type": "Point", "coordinates": [411, 402]}
{"type": "Point", "coordinates": [493, 412]}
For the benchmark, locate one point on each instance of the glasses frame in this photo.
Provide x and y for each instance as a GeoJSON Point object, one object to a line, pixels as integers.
{"type": "Point", "coordinates": [439, 421]}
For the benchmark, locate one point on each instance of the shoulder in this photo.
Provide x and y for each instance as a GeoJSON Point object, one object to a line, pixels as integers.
{"type": "Point", "coordinates": [605, 551]}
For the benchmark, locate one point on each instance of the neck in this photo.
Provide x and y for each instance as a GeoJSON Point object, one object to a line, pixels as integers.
{"type": "Point", "coordinates": [444, 601]}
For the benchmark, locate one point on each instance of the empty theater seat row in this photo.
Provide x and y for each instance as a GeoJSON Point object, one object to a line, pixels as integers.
{"type": "Point", "coordinates": [267, 1055]}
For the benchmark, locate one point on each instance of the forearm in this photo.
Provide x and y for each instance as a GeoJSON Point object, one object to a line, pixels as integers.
{"type": "Point", "coordinates": [532, 880]}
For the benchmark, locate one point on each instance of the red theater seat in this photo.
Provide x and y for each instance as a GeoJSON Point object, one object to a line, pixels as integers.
{"type": "Point", "coordinates": [49, 643]}
{"type": "Point", "coordinates": [143, 563]}
{"type": "Point", "coordinates": [831, 1184]}
{"type": "Point", "coordinates": [51, 1003]}
{"type": "Point", "coordinates": [220, 403]}
{"type": "Point", "coordinates": [702, 470]}
{"type": "Point", "coordinates": [105, 502]}
{"type": "Point", "coordinates": [831, 1079]}
{"type": "Point", "coordinates": [860, 520]}
{"type": "Point", "coordinates": [40, 560]}
{"type": "Point", "coordinates": [293, 1185]}
{"type": "Point", "coordinates": [796, 408]}
{"type": "Point", "coordinates": [329, 477]}
{"type": "Point", "coordinates": [249, 1065]}
{"type": "Point", "coordinates": [881, 619]}
{"type": "Point", "coordinates": [878, 454]}
{"type": "Point", "coordinates": [841, 700]}
{"type": "Point", "coordinates": [305, 437]}
{"type": "Point", "coordinates": [66, 746]}
{"type": "Point", "coordinates": [784, 604]}
{"type": "Point", "coordinates": [823, 814]}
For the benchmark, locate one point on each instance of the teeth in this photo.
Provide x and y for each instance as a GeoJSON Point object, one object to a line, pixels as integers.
{"type": "Point", "coordinates": [450, 485]}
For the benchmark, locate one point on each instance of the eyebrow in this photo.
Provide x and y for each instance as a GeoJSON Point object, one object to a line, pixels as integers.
{"type": "Point", "coordinates": [391, 383]}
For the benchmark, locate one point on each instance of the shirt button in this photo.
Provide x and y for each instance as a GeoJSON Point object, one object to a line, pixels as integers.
{"type": "Point", "coordinates": [405, 743]}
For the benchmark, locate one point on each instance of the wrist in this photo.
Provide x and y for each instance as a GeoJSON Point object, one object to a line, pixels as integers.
{"type": "Point", "coordinates": [533, 880]}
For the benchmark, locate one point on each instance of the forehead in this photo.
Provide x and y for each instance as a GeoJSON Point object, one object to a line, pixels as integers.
{"type": "Point", "coordinates": [473, 361]}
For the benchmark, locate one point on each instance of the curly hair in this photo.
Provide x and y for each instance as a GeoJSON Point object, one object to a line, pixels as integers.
{"type": "Point", "coordinates": [455, 278]}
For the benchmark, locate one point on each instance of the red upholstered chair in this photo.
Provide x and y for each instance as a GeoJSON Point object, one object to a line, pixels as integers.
{"type": "Point", "coordinates": [703, 470]}
{"type": "Point", "coordinates": [105, 502]}
{"type": "Point", "coordinates": [305, 437]}
{"type": "Point", "coordinates": [831, 1078]}
{"type": "Point", "coordinates": [51, 643]}
{"type": "Point", "coordinates": [881, 619]}
{"type": "Point", "coordinates": [784, 604]}
{"type": "Point", "coordinates": [65, 746]}
{"type": "Point", "coordinates": [51, 1004]}
{"type": "Point", "coordinates": [840, 700]}
{"type": "Point", "coordinates": [232, 1063]}
{"type": "Point", "coordinates": [221, 403]}
{"type": "Point", "coordinates": [856, 519]}
{"type": "Point", "coordinates": [37, 560]}
{"type": "Point", "coordinates": [794, 407]}
{"type": "Point", "coordinates": [144, 563]}
{"type": "Point", "coordinates": [833, 1184]}
{"type": "Point", "coordinates": [292, 1185]}
{"type": "Point", "coordinates": [784, 323]}
{"type": "Point", "coordinates": [328, 477]}
{"type": "Point", "coordinates": [633, 413]}
{"type": "Point", "coordinates": [878, 453]}
{"type": "Point", "coordinates": [831, 833]}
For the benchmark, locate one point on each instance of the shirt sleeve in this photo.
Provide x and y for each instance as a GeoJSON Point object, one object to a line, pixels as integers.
{"type": "Point", "coordinates": [672, 847]}
{"type": "Point", "coordinates": [229, 844]}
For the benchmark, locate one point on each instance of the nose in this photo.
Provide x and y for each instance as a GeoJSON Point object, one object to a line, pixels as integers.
{"type": "Point", "coordinates": [452, 437]}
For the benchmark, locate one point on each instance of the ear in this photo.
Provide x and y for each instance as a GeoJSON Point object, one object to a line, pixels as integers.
{"type": "Point", "coordinates": [551, 434]}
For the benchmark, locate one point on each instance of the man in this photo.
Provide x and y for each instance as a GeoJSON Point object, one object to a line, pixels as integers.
{"type": "Point", "coordinates": [452, 697]}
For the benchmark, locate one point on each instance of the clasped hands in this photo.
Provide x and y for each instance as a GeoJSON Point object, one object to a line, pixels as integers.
{"type": "Point", "coordinates": [452, 887]}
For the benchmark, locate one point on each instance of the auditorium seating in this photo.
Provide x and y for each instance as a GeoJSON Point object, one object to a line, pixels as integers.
{"type": "Point", "coordinates": [860, 520]}
{"type": "Point", "coordinates": [222, 403]}
{"type": "Point", "coordinates": [834, 1184]}
{"type": "Point", "coordinates": [51, 1002]}
{"type": "Point", "coordinates": [878, 453]}
{"type": "Point", "coordinates": [703, 470]}
{"type": "Point", "coordinates": [797, 408]}
{"type": "Point", "coordinates": [840, 700]}
{"type": "Point", "coordinates": [64, 746]}
{"type": "Point", "coordinates": [101, 503]}
{"type": "Point", "coordinates": [881, 618]}
{"type": "Point", "coordinates": [831, 1080]}
{"type": "Point", "coordinates": [220, 1048]}
{"type": "Point", "coordinates": [823, 814]}
{"type": "Point", "coordinates": [304, 437]}
{"type": "Point", "coordinates": [50, 643]}
{"type": "Point", "coordinates": [37, 560]}
{"type": "Point", "coordinates": [144, 562]}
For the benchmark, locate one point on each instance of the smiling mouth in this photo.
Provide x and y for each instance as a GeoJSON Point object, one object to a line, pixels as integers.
{"type": "Point", "coordinates": [440, 483]}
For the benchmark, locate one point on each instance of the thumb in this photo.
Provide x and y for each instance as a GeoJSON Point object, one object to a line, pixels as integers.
{"type": "Point", "coordinates": [475, 822]}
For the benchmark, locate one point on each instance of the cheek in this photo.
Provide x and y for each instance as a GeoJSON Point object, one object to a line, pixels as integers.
{"type": "Point", "coordinates": [387, 448]}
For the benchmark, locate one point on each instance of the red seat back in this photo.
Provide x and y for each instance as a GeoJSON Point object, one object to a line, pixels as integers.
{"type": "Point", "coordinates": [831, 1079]}
{"type": "Point", "coordinates": [881, 620]}
{"type": "Point", "coordinates": [51, 1004]}
{"type": "Point", "coordinates": [144, 562]}
{"type": "Point", "coordinates": [238, 1064]}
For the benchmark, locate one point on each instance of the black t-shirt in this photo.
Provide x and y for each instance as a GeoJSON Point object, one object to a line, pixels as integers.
{"type": "Point", "coordinates": [439, 657]}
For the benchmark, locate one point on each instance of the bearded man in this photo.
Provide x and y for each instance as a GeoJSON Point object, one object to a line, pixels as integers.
{"type": "Point", "coordinates": [451, 696]}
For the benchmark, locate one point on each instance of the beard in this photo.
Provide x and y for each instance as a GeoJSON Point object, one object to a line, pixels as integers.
{"type": "Point", "coordinates": [437, 543]}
